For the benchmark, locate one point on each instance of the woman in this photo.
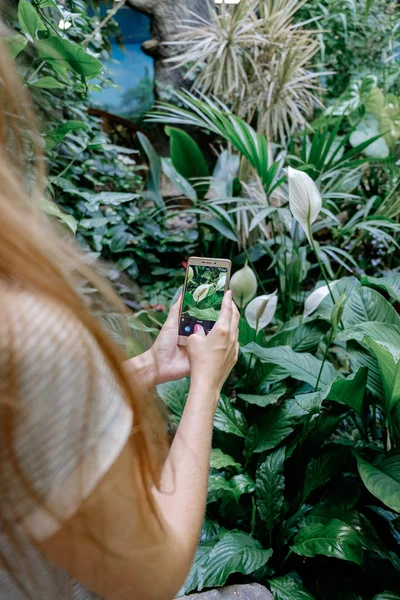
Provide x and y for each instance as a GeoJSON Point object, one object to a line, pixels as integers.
{"type": "Point", "coordinates": [87, 508]}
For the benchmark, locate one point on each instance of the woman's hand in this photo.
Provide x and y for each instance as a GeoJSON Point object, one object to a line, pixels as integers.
{"type": "Point", "coordinates": [212, 357]}
{"type": "Point", "coordinates": [165, 361]}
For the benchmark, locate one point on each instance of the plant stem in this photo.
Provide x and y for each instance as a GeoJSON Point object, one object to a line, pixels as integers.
{"type": "Point", "coordinates": [324, 359]}
{"type": "Point", "coordinates": [255, 271]}
{"type": "Point", "coordinates": [322, 268]}
{"type": "Point", "coordinates": [354, 419]}
{"type": "Point", "coordinates": [110, 15]}
{"type": "Point", "coordinates": [374, 432]}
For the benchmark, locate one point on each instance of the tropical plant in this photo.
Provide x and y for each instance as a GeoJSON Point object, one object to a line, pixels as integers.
{"type": "Point", "coordinates": [255, 59]}
{"type": "Point", "coordinates": [304, 486]}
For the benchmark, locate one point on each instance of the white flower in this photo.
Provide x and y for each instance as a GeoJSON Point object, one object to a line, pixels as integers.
{"type": "Point", "coordinates": [304, 200]}
{"type": "Point", "coordinates": [243, 286]}
{"type": "Point", "coordinates": [64, 25]}
{"type": "Point", "coordinates": [201, 292]}
{"type": "Point", "coordinates": [260, 312]}
{"type": "Point", "coordinates": [190, 274]}
{"type": "Point", "coordinates": [221, 282]}
{"type": "Point", "coordinates": [315, 298]}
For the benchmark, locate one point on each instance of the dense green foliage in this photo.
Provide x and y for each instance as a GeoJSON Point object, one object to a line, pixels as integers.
{"type": "Point", "coordinates": [305, 468]}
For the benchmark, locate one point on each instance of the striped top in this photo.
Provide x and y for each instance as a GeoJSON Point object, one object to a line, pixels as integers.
{"type": "Point", "coordinates": [69, 428]}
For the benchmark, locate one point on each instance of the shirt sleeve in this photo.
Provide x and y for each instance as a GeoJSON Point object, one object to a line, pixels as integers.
{"type": "Point", "coordinates": [68, 416]}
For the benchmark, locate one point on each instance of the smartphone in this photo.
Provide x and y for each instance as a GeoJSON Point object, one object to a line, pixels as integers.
{"type": "Point", "coordinates": [206, 282]}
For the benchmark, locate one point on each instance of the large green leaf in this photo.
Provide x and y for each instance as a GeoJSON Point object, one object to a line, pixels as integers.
{"type": "Point", "coordinates": [204, 314]}
{"type": "Point", "coordinates": [56, 136]}
{"type": "Point", "coordinates": [196, 572]}
{"type": "Point", "coordinates": [323, 468]}
{"type": "Point", "coordinates": [30, 21]}
{"type": "Point", "coordinates": [335, 539]}
{"type": "Point", "coordinates": [153, 185]}
{"type": "Point", "coordinates": [387, 596]}
{"type": "Point", "coordinates": [300, 366]}
{"type": "Point", "coordinates": [389, 283]}
{"type": "Point", "coordinates": [236, 552]}
{"type": "Point", "coordinates": [345, 285]}
{"type": "Point", "coordinates": [176, 178]}
{"type": "Point", "coordinates": [52, 209]}
{"type": "Point", "coordinates": [188, 159]}
{"type": "Point", "coordinates": [360, 357]}
{"type": "Point", "coordinates": [47, 83]}
{"type": "Point", "coordinates": [220, 460]}
{"type": "Point", "coordinates": [270, 484]}
{"type": "Point", "coordinates": [303, 338]}
{"type": "Point", "coordinates": [288, 588]}
{"type": "Point", "coordinates": [382, 478]}
{"type": "Point", "coordinates": [388, 357]}
{"type": "Point", "coordinates": [220, 487]}
{"type": "Point", "coordinates": [365, 304]}
{"type": "Point", "coordinates": [56, 50]}
{"type": "Point", "coordinates": [263, 400]}
{"type": "Point", "coordinates": [229, 419]}
{"type": "Point", "coordinates": [377, 330]}
{"type": "Point", "coordinates": [351, 391]}
{"type": "Point", "coordinates": [15, 44]}
{"type": "Point", "coordinates": [273, 426]}
{"type": "Point", "coordinates": [174, 395]}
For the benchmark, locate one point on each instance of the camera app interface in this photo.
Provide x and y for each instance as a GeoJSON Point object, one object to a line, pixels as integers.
{"type": "Point", "coordinates": [203, 297]}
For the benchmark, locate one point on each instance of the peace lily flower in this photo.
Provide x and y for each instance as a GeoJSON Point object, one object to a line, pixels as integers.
{"type": "Point", "coordinates": [64, 25]}
{"type": "Point", "coordinates": [221, 282]}
{"type": "Point", "coordinates": [260, 312]}
{"type": "Point", "coordinates": [201, 292]}
{"type": "Point", "coordinates": [304, 200]}
{"type": "Point", "coordinates": [190, 274]}
{"type": "Point", "coordinates": [243, 286]}
{"type": "Point", "coordinates": [315, 298]}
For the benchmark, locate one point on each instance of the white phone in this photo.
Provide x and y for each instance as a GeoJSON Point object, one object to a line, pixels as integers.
{"type": "Point", "coordinates": [206, 282]}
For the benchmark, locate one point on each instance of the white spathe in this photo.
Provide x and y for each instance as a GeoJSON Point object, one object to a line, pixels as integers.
{"type": "Point", "coordinates": [305, 201]}
{"type": "Point", "coordinates": [243, 286]}
{"type": "Point", "coordinates": [201, 292]}
{"type": "Point", "coordinates": [315, 298]}
{"type": "Point", "coordinates": [190, 274]}
{"type": "Point", "coordinates": [64, 25]}
{"type": "Point", "coordinates": [260, 311]}
{"type": "Point", "coordinates": [221, 282]}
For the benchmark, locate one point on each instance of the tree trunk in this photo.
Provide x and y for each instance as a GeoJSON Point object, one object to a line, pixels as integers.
{"type": "Point", "coordinates": [166, 18]}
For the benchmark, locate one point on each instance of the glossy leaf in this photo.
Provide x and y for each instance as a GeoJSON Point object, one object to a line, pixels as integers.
{"type": "Point", "coordinates": [188, 159]}
{"type": "Point", "coordinates": [270, 484]}
{"type": "Point", "coordinates": [351, 391]}
{"type": "Point", "coordinates": [229, 419]}
{"type": "Point", "coordinates": [155, 171]}
{"type": "Point", "coordinates": [196, 572]}
{"type": "Point", "coordinates": [273, 426]}
{"type": "Point", "coordinates": [174, 395]}
{"type": "Point", "coordinates": [15, 44]}
{"type": "Point", "coordinates": [48, 83]}
{"type": "Point", "coordinates": [336, 540]}
{"type": "Point", "coordinates": [382, 478]}
{"type": "Point", "coordinates": [236, 552]}
{"type": "Point", "coordinates": [53, 210]}
{"type": "Point", "coordinates": [388, 357]}
{"type": "Point", "coordinates": [388, 283]}
{"type": "Point", "coordinates": [360, 357]}
{"type": "Point", "coordinates": [288, 588]}
{"type": "Point", "coordinates": [365, 304]}
{"type": "Point", "coordinates": [30, 20]}
{"type": "Point", "coordinates": [265, 400]}
{"type": "Point", "coordinates": [56, 50]}
{"type": "Point", "coordinates": [300, 366]}
{"type": "Point", "coordinates": [387, 596]}
{"type": "Point", "coordinates": [220, 460]}
{"type": "Point", "coordinates": [321, 469]}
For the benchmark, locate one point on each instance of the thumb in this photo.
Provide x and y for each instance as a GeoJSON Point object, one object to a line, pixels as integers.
{"type": "Point", "coordinates": [198, 330]}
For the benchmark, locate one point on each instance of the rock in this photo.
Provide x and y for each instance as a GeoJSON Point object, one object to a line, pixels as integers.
{"type": "Point", "coordinates": [252, 591]}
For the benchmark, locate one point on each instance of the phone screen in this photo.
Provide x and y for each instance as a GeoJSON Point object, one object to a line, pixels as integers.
{"type": "Point", "coordinates": [202, 300]}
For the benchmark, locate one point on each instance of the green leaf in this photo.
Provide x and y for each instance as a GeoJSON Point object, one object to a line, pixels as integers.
{"type": "Point", "coordinates": [155, 171]}
{"type": "Point", "coordinates": [174, 395]}
{"type": "Point", "coordinates": [220, 460]}
{"type": "Point", "coordinates": [119, 241]}
{"type": "Point", "coordinates": [179, 182]}
{"type": "Point", "coordinates": [382, 478]}
{"type": "Point", "coordinates": [218, 485]}
{"type": "Point", "coordinates": [300, 366]}
{"type": "Point", "coordinates": [221, 227]}
{"type": "Point", "coordinates": [15, 44]}
{"type": "Point", "coordinates": [270, 484]}
{"type": "Point", "coordinates": [55, 137]}
{"type": "Point", "coordinates": [229, 419]}
{"type": "Point", "coordinates": [48, 83]}
{"type": "Point", "coordinates": [335, 539]}
{"type": "Point", "coordinates": [51, 209]}
{"type": "Point", "coordinates": [236, 552]}
{"type": "Point", "coordinates": [59, 51]}
{"type": "Point", "coordinates": [287, 588]}
{"type": "Point", "coordinates": [263, 401]}
{"type": "Point", "coordinates": [322, 469]}
{"type": "Point", "coordinates": [273, 426]}
{"type": "Point", "coordinates": [188, 159]}
{"type": "Point", "coordinates": [193, 580]}
{"type": "Point", "coordinates": [384, 333]}
{"type": "Point", "coordinates": [302, 338]}
{"type": "Point", "coordinates": [388, 357]}
{"type": "Point", "coordinates": [351, 391]}
{"type": "Point", "coordinates": [365, 304]}
{"type": "Point", "coordinates": [389, 283]}
{"type": "Point", "coordinates": [204, 314]}
{"type": "Point", "coordinates": [29, 19]}
{"type": "Point", "coordinates": [360, 357]}
{"type": "Point", "coordinates": [387, 596]}
{"type": "Point", "coordinates": [242, 484]}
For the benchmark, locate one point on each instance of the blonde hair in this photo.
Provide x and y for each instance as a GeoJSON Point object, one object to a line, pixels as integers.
{"type": "Point", "coordinates": [36, 255]}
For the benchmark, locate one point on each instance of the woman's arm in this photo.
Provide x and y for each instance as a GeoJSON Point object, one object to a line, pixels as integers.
{"type": "Point", "coordinates": [117, 548]}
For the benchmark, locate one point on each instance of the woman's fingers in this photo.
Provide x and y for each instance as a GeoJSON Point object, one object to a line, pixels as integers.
{"type": "Point", "coordinates": [225, 316]}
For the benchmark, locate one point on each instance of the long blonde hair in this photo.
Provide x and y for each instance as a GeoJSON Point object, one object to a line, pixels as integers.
{"type": "Point", "coordinates": [35, 254]}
